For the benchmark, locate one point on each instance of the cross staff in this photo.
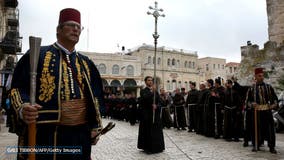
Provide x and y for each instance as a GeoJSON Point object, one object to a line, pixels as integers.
{"type": "Point", "coordinates": [156, 14]}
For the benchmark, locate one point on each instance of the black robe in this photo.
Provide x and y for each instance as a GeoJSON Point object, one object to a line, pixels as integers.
{"type": "Point", "coordinates": [150, 136]}
{"type": "Point", "coordinates": [165, 111]}
{"type": "Point", "coordinates": [179, 111]}
{"type": "Point", "coordinates": [232, 114]}
{"type": "Point", "coordinates": [191, 104]}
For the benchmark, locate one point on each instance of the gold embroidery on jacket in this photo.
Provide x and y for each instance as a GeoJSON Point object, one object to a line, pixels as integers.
{"type": "Point", "coordinates": [65, 81]}
{"type": "Point", "coordinates": [80, 77]}
{"type": "Point", "coordinates": [47, 85]}
{"type": "Point", "coordinates": [87, 68]}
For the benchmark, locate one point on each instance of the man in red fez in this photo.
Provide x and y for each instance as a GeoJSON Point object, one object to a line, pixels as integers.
{"type": "Point", "coordinates": [69, 95]}
{"type": "Point", "coordinates": [262, 98]}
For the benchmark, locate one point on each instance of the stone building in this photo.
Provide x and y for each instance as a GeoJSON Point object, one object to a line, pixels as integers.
{"type": "Point", "coordinates": [174, 68]}
{"type": "Point", "coordinates": [275, 17]}
{"type": "Point", "coordinates": [232, 69]}
{"type": "Point", "coordinates": [119, 72]}
{"type": "Point", "coordinates": [212, 67]}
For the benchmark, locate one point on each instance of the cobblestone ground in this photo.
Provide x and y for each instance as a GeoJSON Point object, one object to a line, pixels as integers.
{"type": "Point", "coordinates": [120, 144]}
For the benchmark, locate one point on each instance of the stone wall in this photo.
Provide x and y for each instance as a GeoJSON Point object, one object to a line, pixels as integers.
{"type": "Point", "coordinates": [275, 14]}
{"type": "Point", "coordinates": [271, 57]}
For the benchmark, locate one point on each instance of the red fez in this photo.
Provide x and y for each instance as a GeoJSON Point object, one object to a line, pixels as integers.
{"type": "Point", "coordinates": [258, 70]}
{"type": "Point", "coordinates": [69, 14]}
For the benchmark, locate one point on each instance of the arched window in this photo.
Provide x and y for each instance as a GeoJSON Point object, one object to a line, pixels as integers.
{"type": "Point", "coordinates": [149, 60]}
{"type": "Point", "coordinates": [178, 63]}
{"type": "Point", "coordinates": [193, 65]}
{"type": "Point", "coordinates": [173, 62]}
{"type": "Point", "coordinates": [185, 64]}
{"type": "Point", "coordinates": [169, 62]}
{"type": "Point", "coordinates": [115, 69]}
{"type": "Point", "coordinates": [130, 70]}
{"type": "Point", "coordinates": [102, 68]}
{"type": "Point", "coordinates": [159, 61]}
{"type": "Point", "coordinates": [168, 85]}
{"type": "Point", "coordinates": [174, 84]}
{"type": "Point", "coordinates": [189, 64]}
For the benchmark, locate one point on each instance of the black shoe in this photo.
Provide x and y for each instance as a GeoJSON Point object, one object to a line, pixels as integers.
{"type": "Point", "coordinates": [217, 137]}
{"type": "Point", "coordinates": [273, 151]}
{"type": "Point", "coordinates": [189, 130]}
{"type": "Point", "coordinates": [236, 139]}
{"type": "Point", "coordinates": [183, 128]}
{"type": "Point", "coordinates": [228, 139]}
{"type": "Point", "coordinates": [245, 144]}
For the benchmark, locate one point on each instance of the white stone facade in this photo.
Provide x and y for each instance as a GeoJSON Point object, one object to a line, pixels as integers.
{"type": "Point", "coordinates": [212, 67]}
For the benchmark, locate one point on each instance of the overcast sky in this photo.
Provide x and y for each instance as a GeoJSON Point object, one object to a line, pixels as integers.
{"type": "Point", "coordinates": [213, 28]}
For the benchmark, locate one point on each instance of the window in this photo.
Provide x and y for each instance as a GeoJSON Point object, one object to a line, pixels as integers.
{"type": "Point", "coordinates": [207, 67]}
{"type": "Point", "coordinates": [193, 65]}
{"type": "Point", "coordinates": [189, 64]}
{"type": "Point", "coordinates": [218, 66]}
{"type": "Point", "coordinates": [178, 63]}
{"type": "Point", "coordinates": [223, 67]}
{"type": "Point", "coordinates": [159, 61]}
{"type": "Point", "coordinates": [179, 84]}
{"type": "Point", "coordinates": [102, 68]}
{"type": "Point", "coordinates": [185, 64]}
{"type": "Point", "coordinates": [154, 61]}
{"type": "Point", "coordinates": [149, 60]}
{"type": "Point", "coordinates": [214, 66]}
{"type": "Point", "coordinates": [115, 69]}
{"type": "Point", "coordinates": [168, 85]}
{"type": "Point", "coordinates": [173, 62]}
{"type": "Point", "coordinates": [130, 70]}
{"type": "Point", "coordinates": [169, 62]}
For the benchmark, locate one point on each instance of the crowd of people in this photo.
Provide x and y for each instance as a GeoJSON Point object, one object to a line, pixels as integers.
{"type": "Point", "coordinates": [214, 110]}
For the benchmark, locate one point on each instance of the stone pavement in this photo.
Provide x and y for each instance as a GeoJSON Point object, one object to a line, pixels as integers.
{"type": "Point", "coordinates": [120, 144]}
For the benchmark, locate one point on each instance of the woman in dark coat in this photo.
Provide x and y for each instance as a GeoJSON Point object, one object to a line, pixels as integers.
{"type": "Point", "coordinates": [150, 136]}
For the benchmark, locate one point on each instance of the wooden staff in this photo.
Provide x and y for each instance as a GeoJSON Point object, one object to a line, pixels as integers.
{"type": "Point", "coordinates": [34, 54]}
{"type": "Point", "coordinates": [255, 129]}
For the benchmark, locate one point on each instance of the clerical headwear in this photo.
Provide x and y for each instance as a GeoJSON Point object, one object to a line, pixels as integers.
{"type": "Point", "coordinates": [69, 14]}
{"type": "Point", "coordinates": [258, 70]}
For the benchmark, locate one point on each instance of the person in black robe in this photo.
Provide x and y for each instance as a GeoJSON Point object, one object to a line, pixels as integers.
{"type": "Point", "coordinates": [202, 96]}
{"type": "Point", "coordinates": [191, 103]}
{"type": "Point", "coordinates": [179, 111]}
{"type": "Point", "coordinates": [262, 98]}
{"type": "Point", "coordinates": [150, 135]}
{"type": "Point", "coordinates": [132, 108]}
{"type": "Point", "coordinates": [165, 109]}
{"type": "Point", "coordinates": [210, 118]}
{"type": "Point", "coordinates": [219, 107]}
{"type": "Point", "coordinates": [232, 113]}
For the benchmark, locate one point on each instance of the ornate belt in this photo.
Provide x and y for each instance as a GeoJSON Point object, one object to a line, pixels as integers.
{"type": "Point", "coordinates": [73, 112]}
{"type": "Point", "coordinates": [262, 107]}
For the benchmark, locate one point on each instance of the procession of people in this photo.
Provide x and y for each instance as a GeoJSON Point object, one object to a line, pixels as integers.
{"type": "Point", "coordinates": [218, 110]}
